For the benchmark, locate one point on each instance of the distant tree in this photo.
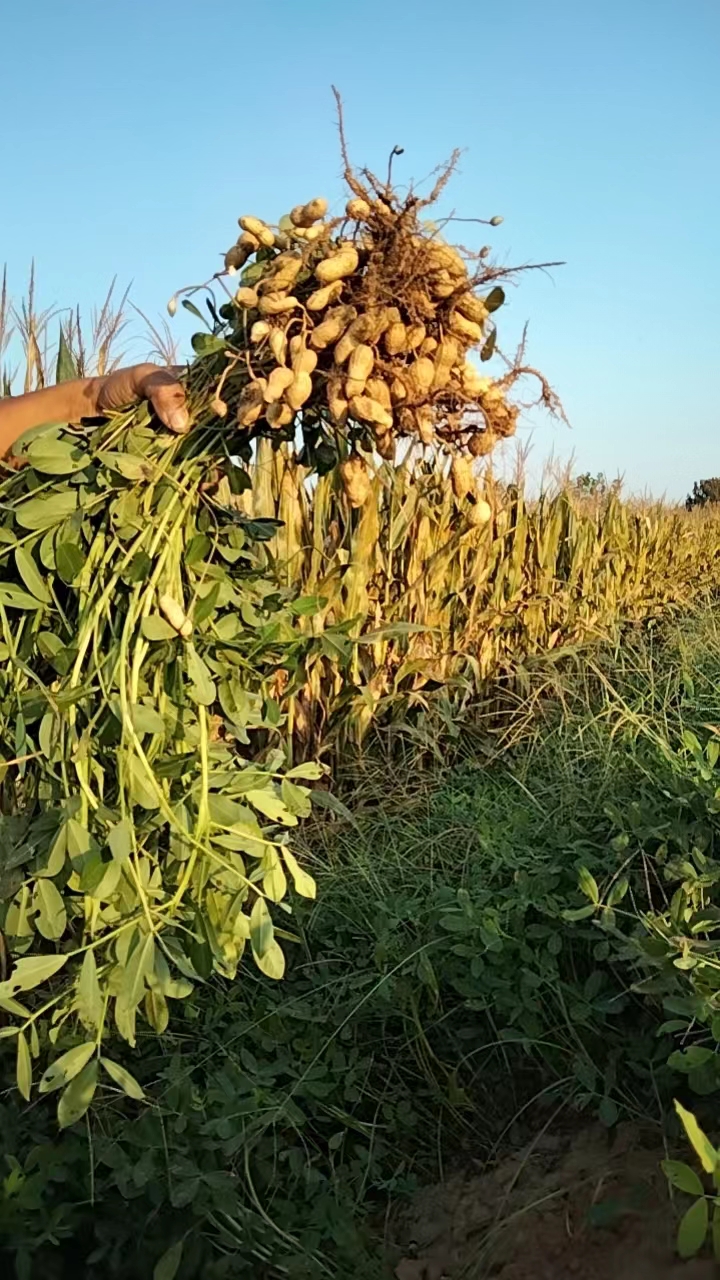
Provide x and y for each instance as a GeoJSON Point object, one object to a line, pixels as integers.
{"type": "Point", "coordinates": [589, 486]}
{"type": "Point", "coordinates": [704, 491]}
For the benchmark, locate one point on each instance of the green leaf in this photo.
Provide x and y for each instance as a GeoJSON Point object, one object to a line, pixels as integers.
{"type": "Point", "coordinates": [225, 812]}
{"type": "Point", "coordinates": [683, 1177]}
{"type": "Point", "coordinates": [195, 311]}
{"type": "Point", "coordinates": [78, 838]}
{"type": "Point", "coordinates": [20, 739]}
{"type": "Point", "coordinates": [54, 457]}
{"type": "Point", "coordinates": [494, 299]}
{"type": "Point", "coordinates": [253, 273]}
{"type": "Point", "coordinates": [55, 652]}
{"type": "Point", "coordinates": [76, 1099]}
{"type": "Point", "coordinates": [52, 916]}
{"type": "Point", "coordinates": [49, 644]}
{"type": "Point", "coordinates": [696, 1055]}
{"type": "Point", "coordinates": [139, 568]}
{"type": "Point", "coordinates": [31, 575]}
{"type": "Point", "coordinates": [262, 529]}
{"type": "Point", "coordinates": [241, 821]}
{"type": "Point", "coordinates": [69, 561]}
{"type": "Point", "coordinates": [207, 344]}
{"type": "Point", "coordinates": [578, 913]}
{"type": "Point", "coordinates": [202, 687]}
{"type": "Point", "coordinates": [162, 980]}
{"type": "Point", "coordinates": [692, 742]}
{"type": "Point", "coordinates": [47, 735]}
{"type": "Point", "coordinates": [311, 771]}
{"type": "Point", "coordinates": [139, 966]}
{"type": "Point", "coordinates": [56, 856]}
{"type": "Point", "coordinates": [306, 606]}
{"type": "Point", "coordinates": [65, 369]}
{"type": "Point", "coordinates": [274, 882]}
{"type": "Point", "coordinates": [335, 645]}
{"type": "Point", "coordinates": [249, 779]}
{"type": "Point", "coordinates": [88, 998]}
{"type": "Point", "coordinates": [147, 719]}
{"type": "Point", "coordinates": [618, 891]}
{"type": "Point", "coordinates": [156, 1010]}
{"type": "Point", "coordinates": [132, 468]}
{"type": "Point", "coordinates": [175, 766]}
{"type": "Point", "coordinates": [272, 962]}
{"type": "Point", "coordinates": [207, 605]}
{"type": "Point", "coordinates": [12, 1006]}
{"type": "Point", "coordinates": [608, 1112]}
{"type": "Point", "coordinates": [166, 1268]}
{"type": "Point", "coordinates": [46, 550]}
{"type": "Point", "coordinates": [701, 1145]}
{"type": "Point", "coordinates": [487, 350]}
{"type": "Point", "coordinates": [119, 839]}
{"type": "Point", "coordinates": [47, 511]}
{"type": "Point", "coordinates": [197, 548]}
{"type": "Point", "coordinates": [122, 1077]}
{"type": "Point", "coordinates": [155, 628]}
{"type": "Point", "coordinates": [141, 790]}
{"type": "Point", "coordinates": [227, 627]}
{"type": "Point", "coordinates": [304, 883]}
{"type": "Point", "coordinates": [692, 1230]}
{"type": "Point", "coordinates": [24, 1067]}
{"type": "Point", "coordinates": [65, 1068]}
{"type": "Point", "coordinates": [261, 928]}
{"type": "Point", "coordinates": [125, 1019]}
{"type": "Point", "coordinates": [271, 806]}
{"type": "Point", "coordinates": [13, 598]}
{"type": "Point", "coordinates": [30, 972]}
{"type": "Point", "coordinates": [587, 884]}
{"type": "Point", "coordinates": [296, 799]}
{"type": "Point", "coordinates": [100, 879]}
{"type": "Point", "coordinates": [326, 800]}
{"type": "Point", "coordinates": [178, 989]}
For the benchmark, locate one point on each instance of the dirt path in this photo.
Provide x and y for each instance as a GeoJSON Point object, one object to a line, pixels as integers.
{"type": "Point", "coordinates": [590, 1206]}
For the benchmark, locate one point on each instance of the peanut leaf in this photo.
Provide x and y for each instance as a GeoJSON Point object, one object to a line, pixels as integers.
{"type": "Point", "coordinates": [166, 1267]}
{"type": "Point", "coordinates": [65, 1068]}
{"type": "Point", "coordinates": [24, 1067]}
{"type": "Point", "coordinates": [127, 1082]}
{"type": "Point", "coordinates": [692, 1230]}
{"type": "Point", "coordinates": [76, 1099]}
{"type": "Point", "coordinates": [701, 1145]}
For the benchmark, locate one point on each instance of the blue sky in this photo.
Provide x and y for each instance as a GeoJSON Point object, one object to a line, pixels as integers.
{"type": "Point", "coordinates": [135, 134]}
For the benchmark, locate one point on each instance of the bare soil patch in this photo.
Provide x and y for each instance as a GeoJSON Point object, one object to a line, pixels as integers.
{"type": "Point", "coordinates": [592, 1204]}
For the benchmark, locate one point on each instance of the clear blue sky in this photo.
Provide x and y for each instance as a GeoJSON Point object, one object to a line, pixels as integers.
{"type": "Point", "coordinates": [135, 133]}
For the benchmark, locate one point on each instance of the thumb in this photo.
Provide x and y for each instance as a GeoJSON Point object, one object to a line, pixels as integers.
{"type": "Point", "coordinates": [167, 397]}
{"type": "Point", "coordinates": [146, 382]}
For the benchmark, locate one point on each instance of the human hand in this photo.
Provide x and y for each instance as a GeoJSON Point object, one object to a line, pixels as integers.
{"type": "Point", "coordinates": [160, 386]}
{"type": "Point", "coordinates": [92, 397]}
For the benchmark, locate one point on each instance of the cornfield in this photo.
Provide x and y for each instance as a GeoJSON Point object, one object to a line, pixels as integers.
{"type": "Point", "coordinates": [433, 602]}
{"type": "Point", "coordinates": [156, 611]}
{"type": "Point", "coordinates": [426, 601]}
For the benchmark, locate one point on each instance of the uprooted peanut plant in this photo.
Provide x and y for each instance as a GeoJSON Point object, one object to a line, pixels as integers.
{"type": "Point", "coordinates": [147, 797]}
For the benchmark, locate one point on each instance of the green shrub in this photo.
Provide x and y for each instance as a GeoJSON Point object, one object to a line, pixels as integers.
{"type": "Point", "coordinates": [453, 984]}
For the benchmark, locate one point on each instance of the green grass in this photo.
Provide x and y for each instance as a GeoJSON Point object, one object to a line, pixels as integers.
{"type": "Point", "coordinates": [453, 988]}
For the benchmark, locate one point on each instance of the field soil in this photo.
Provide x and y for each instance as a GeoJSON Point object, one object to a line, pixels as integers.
{"type": "Point", "coordinates": [588, 1204]}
